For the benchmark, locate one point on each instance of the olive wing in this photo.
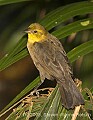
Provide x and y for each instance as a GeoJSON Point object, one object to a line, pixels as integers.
{"type": "Point", "coordinates": [52, 58]}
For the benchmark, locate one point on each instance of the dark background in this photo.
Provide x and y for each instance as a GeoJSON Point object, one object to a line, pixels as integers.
{"type": "Point", "coordinates": [14, 18]}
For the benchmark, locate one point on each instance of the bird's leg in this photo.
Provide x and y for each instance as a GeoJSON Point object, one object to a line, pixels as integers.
{"type": "Point", "coordinates": [35, 89]}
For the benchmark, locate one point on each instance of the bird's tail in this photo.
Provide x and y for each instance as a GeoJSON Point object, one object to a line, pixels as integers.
{"type": "Point", "coordinates": [70, 95]}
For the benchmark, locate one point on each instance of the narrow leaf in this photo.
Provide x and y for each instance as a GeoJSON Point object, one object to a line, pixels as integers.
{"type": "Point", "coordinates": [62, 14]}
{"type": "Point", "coordinates": [4, 2]}
{"type": "Point", "coordinates": [81, 50]}
{"type": "Point", "coordinates": [50, 109]}
{"type": "Point", "coordinates": [73, 27]}
{"type": "Point", "coordinates": [26, 90]}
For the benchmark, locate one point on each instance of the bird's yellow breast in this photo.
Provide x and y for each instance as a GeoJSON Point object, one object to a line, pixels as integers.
{"type": "Point", "coordinates": [35, 38]}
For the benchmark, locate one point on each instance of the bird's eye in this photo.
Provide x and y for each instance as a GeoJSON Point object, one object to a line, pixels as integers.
{"type": "Point", "coordinates": [35, 31]}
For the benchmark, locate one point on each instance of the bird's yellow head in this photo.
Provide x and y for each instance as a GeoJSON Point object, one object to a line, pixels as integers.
{"type": "Point", "coordinates": [36, 33]}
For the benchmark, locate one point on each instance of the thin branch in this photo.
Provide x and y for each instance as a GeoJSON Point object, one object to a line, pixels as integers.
{"type": "Point", "coordinates": [76, 112]}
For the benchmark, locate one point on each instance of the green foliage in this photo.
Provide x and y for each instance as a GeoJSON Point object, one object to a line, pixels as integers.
{"type": "Point", "coordinates": [54, 19]}
{"type": "Point", "coordinates": [4, 2]}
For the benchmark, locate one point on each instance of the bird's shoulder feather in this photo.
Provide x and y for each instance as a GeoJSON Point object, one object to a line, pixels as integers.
{"type": "Point", "coordinates": [51, 56]}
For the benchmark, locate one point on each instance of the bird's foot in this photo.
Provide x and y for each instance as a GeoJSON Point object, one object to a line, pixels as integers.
{"type": "Point", "coordinates": [36, 92]}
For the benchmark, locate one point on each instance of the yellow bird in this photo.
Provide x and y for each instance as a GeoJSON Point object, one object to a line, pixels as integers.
{"type": "Point", "coordinates": [51, 60]}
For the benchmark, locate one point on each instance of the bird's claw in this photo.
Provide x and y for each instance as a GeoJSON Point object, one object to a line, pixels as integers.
{"type": "Point", "coordinates": [34, 91]}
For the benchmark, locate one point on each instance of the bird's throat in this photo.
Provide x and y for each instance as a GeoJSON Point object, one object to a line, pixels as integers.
{"type": "Point", "coordinates": [32, 38]}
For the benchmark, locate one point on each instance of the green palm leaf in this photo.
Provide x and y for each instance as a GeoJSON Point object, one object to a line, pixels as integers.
{"type": "Point", "coordinates": [50, 21]}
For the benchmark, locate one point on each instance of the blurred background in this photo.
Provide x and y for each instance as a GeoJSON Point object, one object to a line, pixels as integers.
{"type": "Point", "coordinates": [14, 18]}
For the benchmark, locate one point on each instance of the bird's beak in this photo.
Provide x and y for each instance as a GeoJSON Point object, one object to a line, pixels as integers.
{"type": "Point", "coordinates": [27, 30]}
